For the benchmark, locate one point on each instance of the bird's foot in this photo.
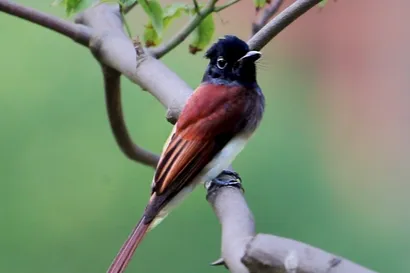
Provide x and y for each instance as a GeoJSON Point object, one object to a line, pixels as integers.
{"type": "Point", "coordinates": [225, 179]}
{"type": "Point", "coordinates": [231, 173]}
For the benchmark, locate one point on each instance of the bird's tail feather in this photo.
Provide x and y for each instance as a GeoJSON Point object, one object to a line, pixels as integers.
{"type": "Point", "coordinates": [128, 248]}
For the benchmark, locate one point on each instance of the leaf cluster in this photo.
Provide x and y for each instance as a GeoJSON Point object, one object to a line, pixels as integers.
{"type": "Point", "coordinates": [160, 18]}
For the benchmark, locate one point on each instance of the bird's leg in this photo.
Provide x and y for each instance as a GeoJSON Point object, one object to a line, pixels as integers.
{"type": "Point", "coordinates": [224, 179]}
{"type": "Point", "coordinates": [231, 173]}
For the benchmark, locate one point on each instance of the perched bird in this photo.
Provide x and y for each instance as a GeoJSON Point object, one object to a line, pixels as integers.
{"type": "Point", "coordinates": [214, 126]}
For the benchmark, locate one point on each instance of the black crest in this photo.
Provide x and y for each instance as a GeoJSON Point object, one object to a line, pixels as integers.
{"type": "Point", "coordinates": [230, 47]}
{"type": "Point", "coordinates": [227, 64]}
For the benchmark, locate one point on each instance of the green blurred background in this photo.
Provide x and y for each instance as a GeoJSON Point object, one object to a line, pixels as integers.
{"type": "Point", "coordinates": [69, 198]}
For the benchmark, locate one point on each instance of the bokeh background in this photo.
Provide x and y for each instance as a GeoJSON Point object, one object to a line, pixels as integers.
{"type": "Point", "coordinates": [329, 165]}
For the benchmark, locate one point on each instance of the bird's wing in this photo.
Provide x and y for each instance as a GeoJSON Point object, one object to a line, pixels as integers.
{"type": "Point", "coordinates": [212, 116]}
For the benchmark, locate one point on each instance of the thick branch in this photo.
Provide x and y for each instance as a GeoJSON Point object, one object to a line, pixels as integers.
{"type": "Point", "coordinates": [244, 252]}
{"type": "Point", "coordinates": [280, 22]}
{"type": "Point", "coordinates": [267, 253]}
{"type": "Point", "coordinates": [115, 51]}
{"type": "Point", "coordinates": [237, 224]}
{"type": "Point", "coordinates": [80, 34]}
{"type": "Point", "coordinates": [112, 47]}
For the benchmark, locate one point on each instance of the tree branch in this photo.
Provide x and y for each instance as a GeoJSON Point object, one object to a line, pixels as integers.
{"type": "Point", "coordinates": [280, 22]}
{"type": "Point", "coordinates": [115, 51]}
{"type": "Point", "coordinates": [178, 38]}
{"type": "Point", "coordinates": [245, 252]}
{"type": "Point", "coordinates": [242, 250]}
{"type": "Point", "coordinates": [227, 5]}
{"type": "Point", "coordinates": [112, 86]}
{"type": "Point", "coordinates": [111, 46]}
{"type": "Point", "coordinates": [80, 34]}
{"type": "Point", "coordinates": [267, 14]}
{"type": "Point", "coordinates": [84, 35]}
{"type": "Point", "coordinates": [268, 253]}
{"type": "Point", "coordinates": [130, 7]}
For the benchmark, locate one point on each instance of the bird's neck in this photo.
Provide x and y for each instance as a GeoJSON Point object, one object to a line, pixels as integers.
{"type": "Point", "coordinates": [209, 79]}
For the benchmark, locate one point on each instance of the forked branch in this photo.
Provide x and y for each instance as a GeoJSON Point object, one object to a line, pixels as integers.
{"type": "Point", "coordinates": [242, 250]}
{"type": "Point", "coordinates": [280, 22]}
{"type": "Point", "coordinates": [267, 13]}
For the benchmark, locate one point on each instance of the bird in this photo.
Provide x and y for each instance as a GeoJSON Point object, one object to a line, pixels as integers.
{"type": "Point", "coordinates": [215, 124]}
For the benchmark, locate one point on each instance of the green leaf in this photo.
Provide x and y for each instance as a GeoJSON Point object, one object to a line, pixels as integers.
{"type": "Point", "coordinates": [151, 37]}
{"type": "Point", "coordinates": [322, 3]}
{"type": "Point", "coordinates": [202, 35]}
{"type": "Point", "coordinates": [127, 3]}
{"type": "Point", "coordinates": [73, 6]}
{"type": "Point", "coordinates": [57, 3]}
{"type": "Point", "coordinates": [170, 13]}
{"type": "Point", "coordinates": [155, 13]}
{"type": "Point", "coordinates": [174, 11]}
{"type": "Point", "coordinates": [259, 4]}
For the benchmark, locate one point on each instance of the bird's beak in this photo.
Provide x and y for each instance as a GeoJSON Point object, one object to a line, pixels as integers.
{"type": "Point", "coordinates": [252, 56]}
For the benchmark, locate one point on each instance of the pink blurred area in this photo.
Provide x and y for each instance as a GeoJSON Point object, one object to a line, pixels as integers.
{"type": "Point", "coordinates": [360, 53]}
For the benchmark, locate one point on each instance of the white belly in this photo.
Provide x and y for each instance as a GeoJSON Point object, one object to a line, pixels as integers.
{"type": "Point", "coordinates": [223, 159]}
{"type": "Point", "coordinates": [220, 162]}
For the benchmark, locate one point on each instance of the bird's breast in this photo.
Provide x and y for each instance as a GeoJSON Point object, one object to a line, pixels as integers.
{"type": "Point", "coordinates": [224, 158]}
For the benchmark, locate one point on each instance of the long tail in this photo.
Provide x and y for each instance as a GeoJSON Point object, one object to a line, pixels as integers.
{"type": "Point", "coordinates": [128, 248]}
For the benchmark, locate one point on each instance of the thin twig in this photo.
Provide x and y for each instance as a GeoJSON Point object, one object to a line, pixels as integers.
{"type": "Point", "coordinates": [267, 14]}
{"type": "Point", "coordinates": [227, 5]}
{"type": "Point", "coordinates": [278, 23]}
{"type": "Point", "coordinates": [130, 7]}
{"type": "Point", "coordinates": [178, 38]}
{"type": "Point", "coordinates": [80, 34]}
{"type": "Point", "coordinates": [196, 7]}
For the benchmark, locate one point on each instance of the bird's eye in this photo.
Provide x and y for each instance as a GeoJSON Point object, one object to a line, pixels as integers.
{"type": "Point", "coordinates": [221, 63]}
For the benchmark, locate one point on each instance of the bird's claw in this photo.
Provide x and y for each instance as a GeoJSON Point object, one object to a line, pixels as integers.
{"type": "Point", "coordinates": [221, 181]}
{"type": "Point", "coordinates": [232, 173]}
{"type": "Point", "coordinates": [224, 183]}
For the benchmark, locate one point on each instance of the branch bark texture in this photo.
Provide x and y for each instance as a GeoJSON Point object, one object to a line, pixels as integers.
{"type": "Point", "coordinates": [101, 29]}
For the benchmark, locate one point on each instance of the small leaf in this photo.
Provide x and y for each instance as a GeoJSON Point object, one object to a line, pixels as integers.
{"type": "Point", "coordinates": [202, 35]}
{"type": "Point", "coordinates": [57, 3]}
{"type": "Point", "coordinates": [259, 4]}
{"type": "Point", "coordinates": [151, 37]}
{"type": "Point", "coordinates": [73, 6]}
{"type": "Point", "coordinates": [174, 11]}
{"type": "Point", "coordinates": [170, 13]}
{"type": "Point", "coordinates": [155, 13]}
{"type": "Point", "coordinates": [322, 3]}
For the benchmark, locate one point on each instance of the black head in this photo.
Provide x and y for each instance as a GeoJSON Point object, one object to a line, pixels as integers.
{"type": "Point", "coordinates": [231, 61]}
